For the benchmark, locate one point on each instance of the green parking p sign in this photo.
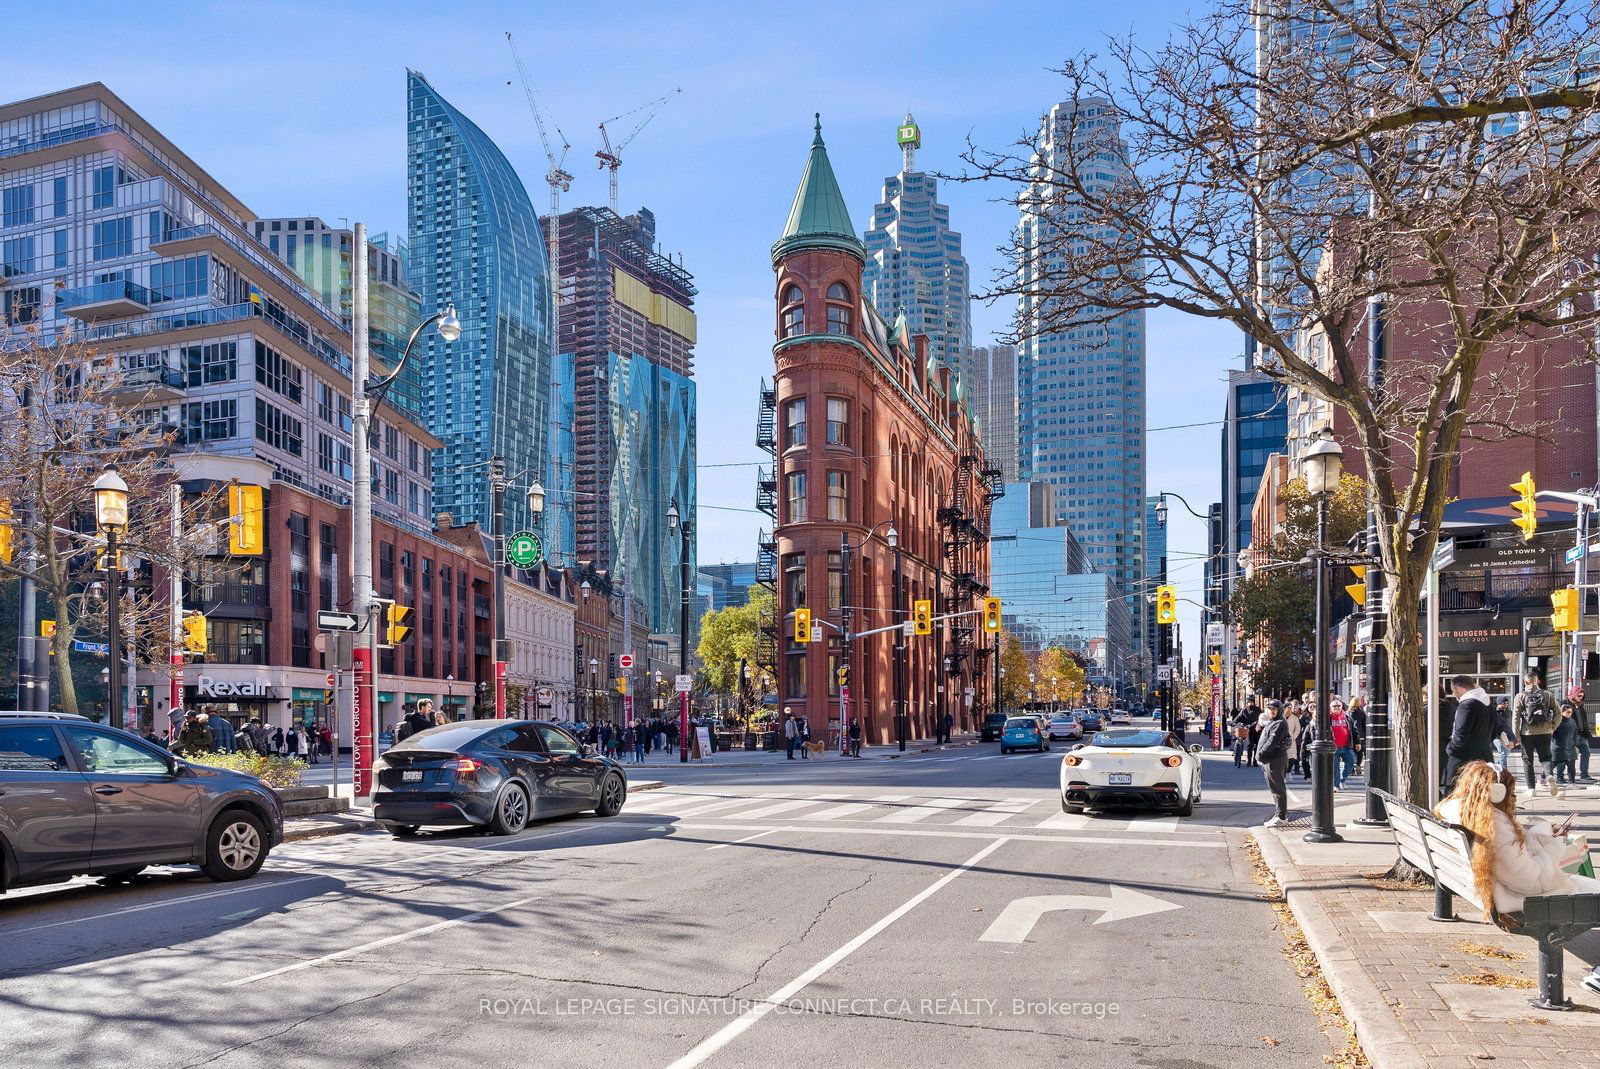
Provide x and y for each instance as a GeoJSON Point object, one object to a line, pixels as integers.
{"type": "Point", "coordinates": [524, 550]}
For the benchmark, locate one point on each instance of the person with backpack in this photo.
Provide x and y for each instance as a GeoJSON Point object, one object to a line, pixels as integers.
{"type": "Point", "coordinates": [1534, 714]}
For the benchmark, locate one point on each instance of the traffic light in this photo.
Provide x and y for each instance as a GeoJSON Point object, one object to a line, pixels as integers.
{"type": "Point", "coordinates": [1216, 664]}
{"type": "Point", "coordinates": [194, 632]}
{"type": "Point", "coordinates": [1527, 508]}
{"type": "Point", "coordinates": [991, 615]}
{"type": "Point", "coordinates": [1166, 605]}
{"type": "Point", "coordinates": [1565, 604]}
{"type": "Point", "coordinates": [802, 625]}
{"type": "Point", "coordinates": [8, 534]}
{"type": "Point", "coordinates": [922, 617]}
{"type": "Point", "coordinates": [247, 521]}
{"type": "Point", "coordinates": [1358, 589]}
{"type": "Point", "coordinates": [398, 629]}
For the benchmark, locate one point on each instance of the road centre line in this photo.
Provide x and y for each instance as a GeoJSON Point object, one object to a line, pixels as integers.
{"type": "Point", "coordinates": [386, 941]}
{"type": "Point", "coordinates": [746, 839]}
{"type": "Point", "coordinates": [725, 1035]}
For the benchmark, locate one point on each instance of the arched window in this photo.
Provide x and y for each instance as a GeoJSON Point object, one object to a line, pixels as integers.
{"type": "Point", "coordinates": [794, 312]}
{"type": "Point", "coordinates": [839, 316]}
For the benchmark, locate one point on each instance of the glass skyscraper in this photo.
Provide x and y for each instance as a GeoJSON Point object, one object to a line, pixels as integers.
{"type": "Point", "coordinates": [1081, 391]}
{"type": "Point", "coordinates": [476, 241]}
{"type": "Point", "coordinates": [1255, 426]}
{"type": "Point", "coordinates": [914, 264]}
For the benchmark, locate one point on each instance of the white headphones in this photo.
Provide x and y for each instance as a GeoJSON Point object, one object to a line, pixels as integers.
{"type": "Point", "coordinates": [1497, 792]}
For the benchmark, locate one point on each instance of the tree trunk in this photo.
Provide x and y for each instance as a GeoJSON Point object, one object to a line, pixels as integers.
{"type": "Point", "coordinates": [61, 648]}
{"type": "Point", "coordinates": [1408, 707]}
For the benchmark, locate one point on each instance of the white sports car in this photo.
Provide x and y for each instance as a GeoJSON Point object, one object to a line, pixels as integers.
{"type": "Point", "coordinates": [1144, 767]}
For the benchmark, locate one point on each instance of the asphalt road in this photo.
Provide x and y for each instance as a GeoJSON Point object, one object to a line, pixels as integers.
{"type": "Point", "coordinates": [826, 913]}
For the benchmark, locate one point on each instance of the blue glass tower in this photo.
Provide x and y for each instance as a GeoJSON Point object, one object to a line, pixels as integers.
{"type": "Point", "coordinates": [476, 241]}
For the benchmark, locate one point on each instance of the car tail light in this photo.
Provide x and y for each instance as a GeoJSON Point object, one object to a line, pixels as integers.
{"type": "Point", "coordinates": [1172, 762]}
{"type": "Point", "coordinates": [466, 766]}
{"type": "Point", "coordinates": [1073, 759]}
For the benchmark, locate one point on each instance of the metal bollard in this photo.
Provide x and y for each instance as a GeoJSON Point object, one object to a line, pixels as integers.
{"type": "Point", "coordinates": [1552, 992]}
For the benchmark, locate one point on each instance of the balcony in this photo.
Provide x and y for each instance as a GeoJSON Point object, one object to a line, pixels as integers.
{"type": "Point", "coordinates": [104, 300]}
{"type": "Point", "coordinates": [149, 384]}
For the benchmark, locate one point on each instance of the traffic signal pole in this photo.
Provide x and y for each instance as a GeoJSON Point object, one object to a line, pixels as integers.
{"type": "Point", "coordinates": [365, 656]}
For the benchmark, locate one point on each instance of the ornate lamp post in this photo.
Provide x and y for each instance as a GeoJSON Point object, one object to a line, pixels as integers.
{"type": "Point", "coordinates": [1321, 465]}
{"type": "Point", "coordinates": [111, 516]}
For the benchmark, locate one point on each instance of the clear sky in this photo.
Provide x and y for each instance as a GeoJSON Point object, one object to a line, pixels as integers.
{"type": "Point", "coordinates": [299, 108]}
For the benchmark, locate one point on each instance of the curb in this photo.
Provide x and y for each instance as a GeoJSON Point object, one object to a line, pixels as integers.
{"type": "Point", "coordinates": [1377, 1029]}
{"type": "Point", "coordinates": [931, 749]}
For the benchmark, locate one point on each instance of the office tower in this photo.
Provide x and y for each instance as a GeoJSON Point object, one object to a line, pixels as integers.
{"type": "Point", "coordinates": [1155, 574]}
{"type": "Point", "coordinates": [914, 264]}
{"type": "Point", "coordinates": [628, 332]}
{"type": "Point", "coordinates": [993, 397]}
{"type": "Point", "coordinates": [475, 241]}
{"type": "Point", "coordinates": [1255, 426]}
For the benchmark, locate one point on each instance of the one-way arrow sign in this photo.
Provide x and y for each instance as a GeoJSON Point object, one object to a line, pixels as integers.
{"type": "Point", "coordinates": [1016, 921]}
{"type": "Point", "coordinates": [338, 621]}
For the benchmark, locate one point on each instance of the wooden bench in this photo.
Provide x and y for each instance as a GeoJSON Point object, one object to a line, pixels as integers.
{"type": "Point", "coordinates": [1444, 852]}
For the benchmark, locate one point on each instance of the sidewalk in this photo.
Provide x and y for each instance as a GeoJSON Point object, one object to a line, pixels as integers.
{"type": "Point", "coordinates": [1422, 994]}
{"type": "Point", "coordinates": [359, 818]}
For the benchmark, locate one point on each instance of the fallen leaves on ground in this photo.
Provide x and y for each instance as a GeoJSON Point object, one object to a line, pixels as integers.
{"type": "Point", "coordinates": [1484, 950]}
{"type": "Point", "coordinates": [1490, 978]}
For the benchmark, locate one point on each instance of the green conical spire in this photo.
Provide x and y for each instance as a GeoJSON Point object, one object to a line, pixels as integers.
{"type": "Point", "coordinates": [818, 217]}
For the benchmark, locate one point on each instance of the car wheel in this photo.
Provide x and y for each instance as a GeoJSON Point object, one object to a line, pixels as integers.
{"type": "Point", "coordinates": [1005, 749]}
{"type": "Point", "coordinates": [236, 846]}
{"type": "Point", "coordinates": [403, 831]}
{"type": "Point", "coordinates": [510, 811]}
{"type": "Point", "coordinates": [612, 794]}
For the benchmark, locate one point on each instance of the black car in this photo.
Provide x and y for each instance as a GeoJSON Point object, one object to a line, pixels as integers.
{"type": "Point", "coordinates": [81, 799]}
{"type": "Point", "coordinates": [994, 725]}
{"type": "Point", "coordinates": [498, 774]}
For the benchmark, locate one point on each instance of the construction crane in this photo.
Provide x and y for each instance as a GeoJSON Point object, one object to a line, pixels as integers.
{"type": "Point", "coordinates": [610, 157]}
{"type": "Point", "coordinates": [560, 181]}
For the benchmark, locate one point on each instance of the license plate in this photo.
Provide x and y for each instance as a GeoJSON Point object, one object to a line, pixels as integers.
{"type": "Point", "coordinates": [1120, 779]}
{"type": "Point", "coordinates": [411, 777]}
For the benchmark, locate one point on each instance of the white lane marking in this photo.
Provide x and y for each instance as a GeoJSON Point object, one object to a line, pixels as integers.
{"type": "Point", "coordinates": [746, 839]}
{"type": "Point", "coordinates": [725, 1035]}
{"type": "Point", "coordinates": [1075, 840]}
{"type": "Point", "coordinates": [167, 903]}
{"type": "Point", "coordinates": [1295, 799]}
{"type": "Point", "coordinates": [386, 941]}
{"type": "Point", "coordinates": [855, 807]}
{"type": "Point", "coordinates": [706, 806]}
{"type": "Point", "coordinates": [999, 811]}
{"type": "Point", "coordinates": [1017, 920]}
{"type": "Point", "coordinates": [1065, 821]}
{"type": "Point", "coordinates": [912, 814]}
{"type": "Point", "coordinates": [1153, 824]}
{"type": "Point", "coordinates": [782, 807]}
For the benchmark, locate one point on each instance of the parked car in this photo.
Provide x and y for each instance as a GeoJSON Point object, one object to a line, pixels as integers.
{"type": "Point", "coordinates": [1065, 726]}
{"type": "Point", "coordinates": [1024, 732]}
{"type": "Point", "coordinates": [993, 725]}
{"type": "Point", "coordinates": [82, 799]}
{"type": "Point", "coordinates": [498, 774]}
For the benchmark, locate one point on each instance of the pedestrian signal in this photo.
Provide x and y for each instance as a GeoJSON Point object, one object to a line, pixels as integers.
{"type": "Point", "coordinates": [991, 615]}
{"type": "Point", "coordinates": [922, 617]}
{"type": "Point", "coordinates": [1166, 605]}
{"type": "Point", "coordinates": [1527, 520]}
{"type": "Point", "coordinates": [802, 625]}
{"type": "Point", "coordinates": [398, 629]}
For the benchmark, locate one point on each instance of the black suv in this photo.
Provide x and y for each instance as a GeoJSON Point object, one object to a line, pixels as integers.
{"type": "Point", "coordinates": [993, 725]}
{"type": "Point", "coordinates": [79, 798]}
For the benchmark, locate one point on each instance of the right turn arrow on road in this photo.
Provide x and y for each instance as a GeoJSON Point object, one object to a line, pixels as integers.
{"type": "Point", "coordinates": [1016, 921]}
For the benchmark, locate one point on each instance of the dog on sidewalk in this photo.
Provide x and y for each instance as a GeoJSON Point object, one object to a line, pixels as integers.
{"type": "Point", "coordinates": [816, 749]}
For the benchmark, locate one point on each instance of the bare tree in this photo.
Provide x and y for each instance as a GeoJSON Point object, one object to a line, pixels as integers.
{"type": "Point", "coordinates": [1294, 163]}
{"type": "Point", "coordinates": [68, 413]}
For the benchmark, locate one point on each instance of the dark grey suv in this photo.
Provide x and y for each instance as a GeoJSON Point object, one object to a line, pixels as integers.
{"type": "Point", "coordinates": [78, 798]}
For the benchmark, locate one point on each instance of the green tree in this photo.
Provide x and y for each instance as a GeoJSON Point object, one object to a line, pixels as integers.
{"type": "Point", "coordinates": [727, 638]}
{"type": "Point", "coordinates": [1013, 673]}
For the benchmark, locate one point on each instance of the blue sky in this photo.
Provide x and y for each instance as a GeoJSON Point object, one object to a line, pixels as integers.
{"type": "Point", "coordinates": [300, 109]}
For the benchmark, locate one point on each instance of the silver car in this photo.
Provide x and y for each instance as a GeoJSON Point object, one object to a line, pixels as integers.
{"type": "Point", "coordinates": [78, 798]}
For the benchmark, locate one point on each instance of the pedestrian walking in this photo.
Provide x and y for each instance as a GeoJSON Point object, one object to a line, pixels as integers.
{"type": "Point", "coordinates": [223, 737]}
{"type": "Point", "coordinates": [1358, 722]}
{"type": "Point", "coordinates": [304, 747]}
{"type": "Point", "coordinates": [1564, 747]}
{"type": "Point", "coordinates": [1273, 752]}
{"type": "Point", "coordinates": [1343, 733]}
{"type": "Point", "coordinates": [1243, 721]}
{"type": "Point", "coordinates": [855, 738]}
{"type": "Point", "coordinates": [1296, 728]}
{"type": "Point", "coordinates": [1505, 739]}
{"type": "Point", "coordinates": [277, 740]}
{"type": "Point", "coordinates": [291, 742]}
{"type": "Point", "coordinates": [1534, 714]}
{"type": "Point", "coordinates": [949, 724]}
{"type": "Point", "coordinates": [1471, 730]}
{"type": "Point", "coordinates": [803, 735]}
{"type": "Point", "coordinates": [639, 733]}
{"type": "Point", "coordinates": [1580, 714]}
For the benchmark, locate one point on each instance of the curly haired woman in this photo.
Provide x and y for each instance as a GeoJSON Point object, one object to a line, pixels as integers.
{"type": "Point", "coordinates": [1510, 860]}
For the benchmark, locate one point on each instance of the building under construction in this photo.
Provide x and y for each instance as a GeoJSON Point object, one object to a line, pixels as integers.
{"type": "Point", "coordinates": [626, 324]}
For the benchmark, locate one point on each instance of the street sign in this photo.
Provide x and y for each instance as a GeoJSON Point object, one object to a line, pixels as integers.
{"type": "Point", "coordinates": [1163, 673]}
{"type": "Point", "coordinates": [626, 660]}
{"type": "Point", "coordinates": [1444, 554]}
{"type": "Point", "coordinates": [816, 632]}
{"type": "Point", "coordinates": [683, 684]}
{"type": "Point", "coordinates": [80, 646]}
{"type": "Point", "coordinates": [333, 680]}
{"type": "Point", "coordinates": [338, 621]}
{"type": "Point", "coordinates": [544, 695]}
{"type": "Point", "coordinates": [909, 628]}
{"type": "Point", "coordinates": [1214, 635]}
{"type": "Point", "coordinates": [524, 549]}
{"type": "Point", "coordinates": [1581, 551]}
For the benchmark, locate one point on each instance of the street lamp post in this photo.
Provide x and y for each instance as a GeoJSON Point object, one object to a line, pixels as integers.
{"type": "Point", "coordinates": [111, 517]}
{"type": "Point", "coordinates": [683, 527]}
{"type": "Point", "coordinates": [899, 657]}
{"type": "Point", "coordinates": [497, 507]}
{"type": "Point", "coordinates": [366, 402]}
{"type": "Point", "coordinates": [1320, 466]}
{"type": "Point", "coordinates": [594, 700]}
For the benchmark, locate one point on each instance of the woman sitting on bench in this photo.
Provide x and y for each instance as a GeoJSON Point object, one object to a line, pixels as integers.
{"type": "Point", "coordinates": [1511, 861]}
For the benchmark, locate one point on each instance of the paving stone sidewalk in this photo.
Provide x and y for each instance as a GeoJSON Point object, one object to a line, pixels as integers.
{"type": "Point", "coordinates": [1403, 980]}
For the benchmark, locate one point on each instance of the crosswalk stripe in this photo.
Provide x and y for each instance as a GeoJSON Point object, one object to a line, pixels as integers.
{"type": "Point", "coordinates": [999, 811]}
{"type": "Point", "coordinates": [781, 807]}
{"type": "Point", "coordinates": [840, 811]}
{"type": "Point", "coordinates": [1065, 822]}
{"type": "Point", "coordinates": [696, 810]}
{"type": "Point", "coordinates": [912, 814]}
{"type": "Point", "coordinates": [1153, 824]}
